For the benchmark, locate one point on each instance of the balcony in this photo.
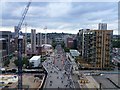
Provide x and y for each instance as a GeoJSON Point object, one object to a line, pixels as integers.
{"type": "Point", "coordinates": [98, 46]}
{"type": "Point", "coordinates": [98, 41]}
{"type": "Point", "coordinates": [107, 50]}
{"type": "Point", "coordinates": [108, 34]}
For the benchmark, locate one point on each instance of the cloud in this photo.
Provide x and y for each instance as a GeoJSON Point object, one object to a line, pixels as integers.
{"type": "Point", "coordinates": [61, 1]}
{"type": "Point", "coordinates": [17, 12]}
{"type": "Point", "coordinates": [67, 17]}
{"type": "Point", "coordinates": [58, 9]}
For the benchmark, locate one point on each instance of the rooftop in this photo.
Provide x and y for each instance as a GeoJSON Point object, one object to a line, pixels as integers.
{"type": "Point", "coordinates": [46, 45]}
{"type": "Point", "coordinates": [2, 39]}
{"type": "Point", "coordinates": [74, 52]}
{"type": "Point", "coordinates": [35, 58]}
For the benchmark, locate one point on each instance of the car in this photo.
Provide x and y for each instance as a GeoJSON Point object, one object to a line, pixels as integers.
{"type": "Point", "coordinates": [101, 74]}
{"type": "Point", "coordinates": [87, 74]}
{"type": "Point", "coordinates": [95, 74]}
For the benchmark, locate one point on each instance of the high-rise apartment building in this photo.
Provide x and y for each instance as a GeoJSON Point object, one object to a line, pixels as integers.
{"type": "Point", "coordinates": [5, 49]}
{"type": "Point", "coordinates": [80, 40]}
{"type": "Point", "coordinates": [7, 36]}
{"type": "Point", "coordinates": [102, 26]}
{"type": "Point", "coordinates": [98, 47]}
{"type": "Point", "coordinates": [33, 40]}
{"type": "Point", "coordinates": [39, 39]}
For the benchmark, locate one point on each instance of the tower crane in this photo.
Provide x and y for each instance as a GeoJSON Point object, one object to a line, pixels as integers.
{"type": "Point", "coordinates": [20, 40]}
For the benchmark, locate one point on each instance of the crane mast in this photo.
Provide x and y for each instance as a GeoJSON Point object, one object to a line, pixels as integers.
{"type": "Point", "coordinates": [20, 41]}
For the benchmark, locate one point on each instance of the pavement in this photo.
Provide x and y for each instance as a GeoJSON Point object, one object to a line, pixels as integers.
{"type": "Point", "coordinates": [114, 78]}
{"type": "Point", "coordinates": [75, 80]}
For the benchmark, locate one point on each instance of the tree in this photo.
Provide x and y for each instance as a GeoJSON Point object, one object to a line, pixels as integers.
{"type": "Point", "coordinates": [6, 62]}
{"type": "Point", "coordinates": [116, 43]}
{"type": "Point", "coordinates": [54, 44]}
{"type": "Point", "coordinates": [24, 62]}
{"type": "Point", "coordinates": [62, 44]}
{"type": "Point", "coordinates": [16, 62]}
{"type": "Point", "coordinates": [66, 49]}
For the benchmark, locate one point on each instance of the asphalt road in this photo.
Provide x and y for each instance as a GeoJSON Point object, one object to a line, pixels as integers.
{"type": "Point", "coordinates": [57, 76]}
{"type": "Point", "coordinates": [105, 83]}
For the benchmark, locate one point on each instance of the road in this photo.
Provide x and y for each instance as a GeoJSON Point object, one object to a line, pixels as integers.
{"type": "Point", "coordinates": [105, 83]}
{"type": "Point", "coordinates": [58, 71]}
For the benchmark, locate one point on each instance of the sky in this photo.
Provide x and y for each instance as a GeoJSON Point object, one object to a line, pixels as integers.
{"type": "Point", "coordinates": [66, 17]}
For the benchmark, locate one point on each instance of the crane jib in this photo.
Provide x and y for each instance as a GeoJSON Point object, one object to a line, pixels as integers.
{"type": "Point", "coordinates": [23, 16]}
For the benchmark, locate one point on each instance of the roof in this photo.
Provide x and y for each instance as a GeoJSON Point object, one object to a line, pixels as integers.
{"type": "Point", "coordinates": [46, 45]}
{"type": "Point", "coordinates": [35, 58]}
{"type": "Point", "coordinates": [74, 52]}
{"type": "Point", "coordinates": [2, 39]}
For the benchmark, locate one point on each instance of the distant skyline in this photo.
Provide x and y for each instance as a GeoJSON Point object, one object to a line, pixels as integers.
{"type": "Point", "coordinates": [67, 17]}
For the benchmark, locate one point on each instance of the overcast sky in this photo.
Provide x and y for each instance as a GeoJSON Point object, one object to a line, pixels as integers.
{"type": "Point", "coordinates": [60, 17]}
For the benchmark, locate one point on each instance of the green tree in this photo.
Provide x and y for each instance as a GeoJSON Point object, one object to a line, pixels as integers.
{"type": "Point", "coordinates": [24, 62]}
{"type": "Point", "coordinates": [6, 62]}
{"type": "Point", "coordinates": [66, 49]}
{"type": "Point", "coordinates": [16, 62]}
{"type": "Point", "coordinates": [54, 44]}
{"type": "Point", "coordinates": [116, 43]}
{"type": "Point", "coordinates": [62, 44]}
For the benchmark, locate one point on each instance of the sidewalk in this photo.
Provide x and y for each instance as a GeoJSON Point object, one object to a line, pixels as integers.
{"type": "Point", "coordinates": [75, 80]}
{"type": "Point", "coordinates": [92, 83]}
